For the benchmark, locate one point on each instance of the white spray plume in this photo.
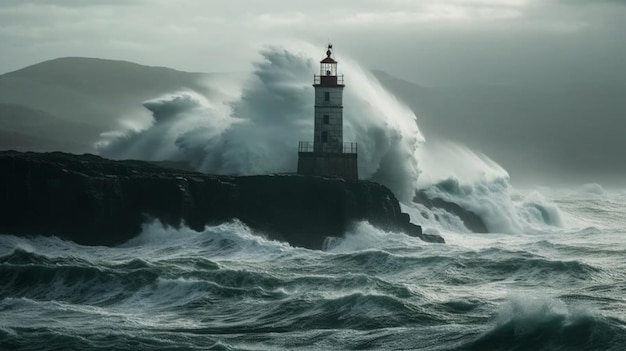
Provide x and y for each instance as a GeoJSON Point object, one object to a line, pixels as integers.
{"type": "Point", "coordinates": [257, 131]}
{"type": "Point", "coordinates": [253, 127]}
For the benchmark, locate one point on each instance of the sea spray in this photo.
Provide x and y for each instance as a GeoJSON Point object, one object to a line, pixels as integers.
{"type": "Point", "coordinates": [547, 324]}
{"type": "Point", "coordinates": [258, 130]}
{"type": "Point", "coordinates": [458, 175]}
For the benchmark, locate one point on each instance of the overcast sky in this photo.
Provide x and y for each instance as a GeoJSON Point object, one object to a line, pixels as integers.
{"type": "Point", "coordinates": [426, 41]}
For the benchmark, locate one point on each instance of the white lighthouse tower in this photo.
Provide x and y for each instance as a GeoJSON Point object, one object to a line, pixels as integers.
{"type": "Point", "coordinates": [328, 155]}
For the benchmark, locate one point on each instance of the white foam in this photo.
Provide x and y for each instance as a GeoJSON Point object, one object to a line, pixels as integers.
{"type": "Point", "coordinates": [364, 236]}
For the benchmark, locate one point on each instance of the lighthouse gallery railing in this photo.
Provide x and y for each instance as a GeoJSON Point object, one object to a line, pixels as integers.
{"type": "Point", "coordinates": [309, 146]}
{"type": "Point", "coordinates": [327, 80]}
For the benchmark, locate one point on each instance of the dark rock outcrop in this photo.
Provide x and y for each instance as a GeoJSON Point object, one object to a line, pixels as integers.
{"type": "Point", "coordinates": [95, 201]}
{"type": "Point", "coordinates": [471, 220]}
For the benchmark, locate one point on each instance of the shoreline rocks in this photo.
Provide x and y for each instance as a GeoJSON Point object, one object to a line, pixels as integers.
{"type": "Point", "coordinates": [95, 201]}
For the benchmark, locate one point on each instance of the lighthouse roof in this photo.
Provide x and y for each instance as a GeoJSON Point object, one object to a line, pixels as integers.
{"type": "Point", "coordinates": [329, 53]}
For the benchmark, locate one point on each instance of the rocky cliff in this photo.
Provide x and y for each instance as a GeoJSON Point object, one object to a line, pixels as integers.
{"type": "Point", "coordinates": [95, 201]}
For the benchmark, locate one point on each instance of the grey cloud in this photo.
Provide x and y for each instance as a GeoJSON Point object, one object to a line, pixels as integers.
{"type": "Point", "coordinates": [555, 40]}
{"type": "Point", "coordinates": [69, 3]}
{"type": "Point", "coordinates": [591, 2]}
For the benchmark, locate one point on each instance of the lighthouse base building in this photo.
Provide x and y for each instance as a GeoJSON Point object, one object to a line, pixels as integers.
{"type": "Point", "coordinates": [328, 155]}
{"type": "Point", "coordinates": [342, 165]}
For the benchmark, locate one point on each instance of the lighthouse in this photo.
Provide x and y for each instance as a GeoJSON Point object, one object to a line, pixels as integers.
{"type": "Point", "coordinates": [328, 155]}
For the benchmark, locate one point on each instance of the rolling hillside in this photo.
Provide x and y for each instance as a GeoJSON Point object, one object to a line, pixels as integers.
{"type": "Point", "coordinates": [570, 134]}
{"type": "Point", "coordinates": [64, 104]}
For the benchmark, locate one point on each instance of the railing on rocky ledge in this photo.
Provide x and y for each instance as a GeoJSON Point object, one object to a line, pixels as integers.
{"type": "Point", "coordinates": [305, 146]}
{"type": "Point", "coordinates": [308, 146]}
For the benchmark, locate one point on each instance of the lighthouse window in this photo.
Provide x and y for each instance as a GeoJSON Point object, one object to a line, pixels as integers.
{"type": "Point", "coordinates": [324, 137]}
{"type": "Point", "coordinates": [327, 96]}
{"type": "Point", "coordinates": [326, 119]}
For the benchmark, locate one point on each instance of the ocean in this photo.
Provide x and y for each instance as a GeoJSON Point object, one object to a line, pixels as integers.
{"type": "Point", "coordinates": [550, 275]}
{"type": "Point", "coordinates": [553, 287]}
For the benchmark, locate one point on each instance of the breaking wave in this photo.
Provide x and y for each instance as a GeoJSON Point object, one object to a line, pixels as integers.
{"type": "Point", "coordinates": [257, 130]}
{"type": "Point", "coordinates": [541, 324]}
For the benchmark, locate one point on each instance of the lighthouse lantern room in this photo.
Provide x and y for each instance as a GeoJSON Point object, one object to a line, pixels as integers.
{"type": "Point", "coordinates": [328, 155]}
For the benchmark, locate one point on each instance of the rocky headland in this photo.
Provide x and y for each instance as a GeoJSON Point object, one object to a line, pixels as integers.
{"type": "Point", "coordinates": [95, 201]}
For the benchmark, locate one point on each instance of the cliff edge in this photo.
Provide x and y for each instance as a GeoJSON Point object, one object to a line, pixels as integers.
{"type": "Point", "coordinates": [95, 201]}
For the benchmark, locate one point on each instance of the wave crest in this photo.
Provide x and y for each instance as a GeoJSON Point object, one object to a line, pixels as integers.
{"type": "Point", "coordinates": [538, 324]}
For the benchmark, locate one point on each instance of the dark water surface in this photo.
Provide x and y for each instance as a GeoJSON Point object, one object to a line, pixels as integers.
{"type": "Point", "coordinates": [228, 289]}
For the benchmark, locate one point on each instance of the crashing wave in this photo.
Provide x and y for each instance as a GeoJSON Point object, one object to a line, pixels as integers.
{"type": "Point", "coordinates": [257, 130]}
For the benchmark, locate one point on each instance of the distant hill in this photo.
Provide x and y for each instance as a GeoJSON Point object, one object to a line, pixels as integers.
{"type": "Point", "coordinates": [572, 133]}
{"type": "Point", "coordinates": [23, 128]}
{"type": "Point", "coordinates": [75, 99]}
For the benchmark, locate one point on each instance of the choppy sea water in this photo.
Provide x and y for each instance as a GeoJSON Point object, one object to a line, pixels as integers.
{"type": "Point", "coordinates": [228, 288]}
